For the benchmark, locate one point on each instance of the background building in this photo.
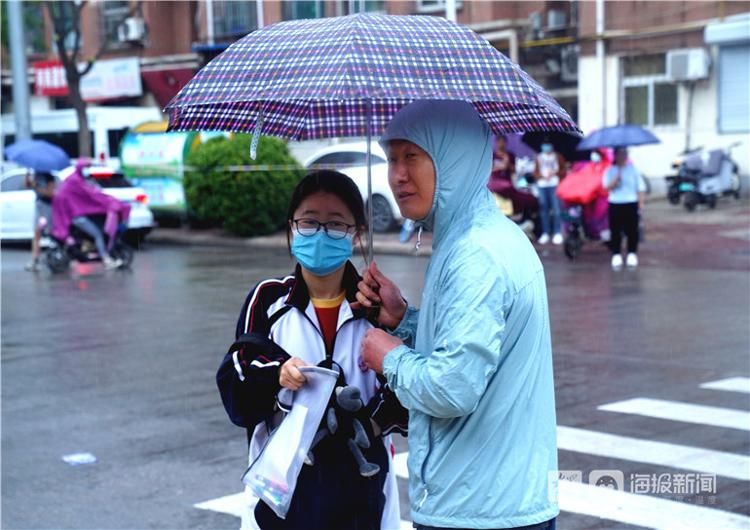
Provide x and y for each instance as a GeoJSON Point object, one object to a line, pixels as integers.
{"type": "Point", "coordinates": [682, 69]}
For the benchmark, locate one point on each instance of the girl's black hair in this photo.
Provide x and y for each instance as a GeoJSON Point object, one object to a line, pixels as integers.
{"type": "Point", "coordinates": [331, 182]}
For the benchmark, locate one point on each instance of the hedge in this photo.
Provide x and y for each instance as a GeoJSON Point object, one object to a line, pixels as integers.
{"type": "Point", "coordinates": [245, 203]}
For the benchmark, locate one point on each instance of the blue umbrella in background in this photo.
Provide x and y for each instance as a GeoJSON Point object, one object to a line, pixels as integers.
{"type": "Point", "coordinates": [618, 136]}
{"type": "Point", "coordinates": [38, 155]}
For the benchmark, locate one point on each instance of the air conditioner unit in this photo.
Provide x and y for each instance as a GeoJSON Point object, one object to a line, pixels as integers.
{"type": "Point", "coordinates": [688, 64]}
{"type": "Point", "coordinates": [132, 29]}
{"type": "Point", "coordinates": [569, 63]}
{"type": "Point", "coordinates": [556, 19]}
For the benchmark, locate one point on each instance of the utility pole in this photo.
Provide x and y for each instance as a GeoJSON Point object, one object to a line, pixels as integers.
{"type": "Point", "coordinates": [21, 109]}
{"type": "Point", "coordinates": [601, 58]}
{"type": "Point", "coordinates": [450, 10]}
{"type": "Point", "coordinates": [210, 21]}
{"type": "Point", "coordinates": [259, 13]}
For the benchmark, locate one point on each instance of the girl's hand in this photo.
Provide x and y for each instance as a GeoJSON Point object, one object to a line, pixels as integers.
{"type": "Point", "coordinates": [289, 375]}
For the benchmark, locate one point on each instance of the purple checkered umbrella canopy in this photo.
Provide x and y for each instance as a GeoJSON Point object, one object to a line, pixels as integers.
{"type": "Point", "coordinates": [331, 77]}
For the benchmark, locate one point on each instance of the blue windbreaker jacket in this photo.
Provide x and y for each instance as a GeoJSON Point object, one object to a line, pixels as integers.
{"type": "Point", "coordinates": [475, 371]}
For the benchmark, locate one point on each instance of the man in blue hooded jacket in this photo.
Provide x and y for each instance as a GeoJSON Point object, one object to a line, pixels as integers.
{"type": "Point", "coordinates": [474, 364]}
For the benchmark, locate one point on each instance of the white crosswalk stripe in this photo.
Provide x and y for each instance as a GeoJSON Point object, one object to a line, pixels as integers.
{"type": "Point", "coordinates": [732, 384]}
{"type": "Point", "coordinates": [685, 412]}
{"type": "Point", "coordinates": [644, 510]}
{"type": "Point", "coordinates": [650, 452]}
{"type": "Point", "coordinates": [230, 504]}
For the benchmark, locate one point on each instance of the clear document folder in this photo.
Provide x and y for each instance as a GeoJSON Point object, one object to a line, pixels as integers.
{"type": "Point", "coordinates": [273, 475]}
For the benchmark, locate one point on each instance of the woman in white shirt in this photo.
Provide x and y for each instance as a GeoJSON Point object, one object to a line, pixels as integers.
{"type": "Point", "coordinates": [626, 195]}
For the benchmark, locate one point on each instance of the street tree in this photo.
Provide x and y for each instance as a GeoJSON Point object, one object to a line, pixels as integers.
{"type": "Point", "coordinates": [66, 23]}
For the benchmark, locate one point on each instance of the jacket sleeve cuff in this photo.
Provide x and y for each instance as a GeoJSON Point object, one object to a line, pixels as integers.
{"type": "Point", "coordinates": [406, 329]}
{"type": "Point", "coordinates": [385, 410]}
{"type": "Point", "coordinates": [390, 365]}
{"type": "Point", "coordinates": [251, 353]}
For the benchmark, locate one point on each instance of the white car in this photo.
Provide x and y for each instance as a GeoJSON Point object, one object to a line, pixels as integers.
{"type": "Point", "coordinates": [17, 202]}
{"type": "Point", "coordinates": [351, 160]}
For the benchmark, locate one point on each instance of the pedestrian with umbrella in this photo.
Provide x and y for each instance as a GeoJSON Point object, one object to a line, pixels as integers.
{"type": "Point", "coordinates": [449, 89]}
{"type": "Point", "coordinates": [626, 187]}
{"type": "Point", "coordinates": [473, 365]}
{"type": "Point", "coordinates": [41, 158]}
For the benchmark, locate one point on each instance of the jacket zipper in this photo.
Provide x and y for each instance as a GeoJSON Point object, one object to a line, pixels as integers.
{"type": "Point", "coordinates": [320, 334]}
{"type": "Point", "coordinates": [424, 464]}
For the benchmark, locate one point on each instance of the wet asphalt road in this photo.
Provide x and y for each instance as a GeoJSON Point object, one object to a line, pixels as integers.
{"type": "Point", "coordinates": [121, 365]}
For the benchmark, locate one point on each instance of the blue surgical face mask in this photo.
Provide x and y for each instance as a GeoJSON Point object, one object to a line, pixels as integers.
{"type": "Point", "coordinates": [546, 148]}
{"type": "Point", "coordinates": [321, 254]}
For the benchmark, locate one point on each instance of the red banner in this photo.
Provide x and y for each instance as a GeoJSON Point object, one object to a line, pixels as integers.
{"type": "Point", "coordinates": [49, 79]}
{"type": "Point", "coordinates": [108, 79]}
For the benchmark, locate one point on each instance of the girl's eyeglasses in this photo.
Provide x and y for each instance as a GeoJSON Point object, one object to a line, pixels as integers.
{"type": "Point", "coordinates": [333, 229]}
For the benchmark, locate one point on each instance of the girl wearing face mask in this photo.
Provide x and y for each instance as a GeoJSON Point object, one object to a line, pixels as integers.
{"type": "Point", "coordinates": [303, 319]}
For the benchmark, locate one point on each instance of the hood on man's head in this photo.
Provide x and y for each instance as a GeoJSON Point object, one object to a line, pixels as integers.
{"type": "Point", "coordinates": [459, 142]}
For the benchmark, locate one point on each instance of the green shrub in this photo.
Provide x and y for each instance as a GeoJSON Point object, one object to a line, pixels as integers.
{"type": "Point", "coordinates": [245, 203]}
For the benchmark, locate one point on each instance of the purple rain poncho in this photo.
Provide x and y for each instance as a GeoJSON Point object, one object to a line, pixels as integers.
{"type": "Point", "coordinates": [76, 197]}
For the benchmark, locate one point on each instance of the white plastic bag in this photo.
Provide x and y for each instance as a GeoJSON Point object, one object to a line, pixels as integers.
{"type": "Point", "coordinates": [273, 475]}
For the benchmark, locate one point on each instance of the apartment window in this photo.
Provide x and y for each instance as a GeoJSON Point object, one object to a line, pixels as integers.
{"type": "Point", "coordinates": [234, 19]}
{"type": "Point", "coordinates": [302, 9]}
{"type": "Point", "coordinates": [434, 6]}
{"type": "Point", "coordinates": [114, 13]}
{"type": "Point", "coordinates": [649, 96]}
{"type": "Point", "coordinates": [366, 6]}
{"type": "Point", "coordinates": [734, 86]}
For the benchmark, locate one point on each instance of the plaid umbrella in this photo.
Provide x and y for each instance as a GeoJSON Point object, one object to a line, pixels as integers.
{"type": "Point", "coordinates": [347, 76]}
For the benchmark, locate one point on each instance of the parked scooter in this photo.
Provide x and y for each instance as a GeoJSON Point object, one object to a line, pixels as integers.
{"type": "Point", "coordinates": [702, 177]}
{"type": "Point", "coordinates": [674, 195]}
{"type": "Point", "coordinates": [80, 247]}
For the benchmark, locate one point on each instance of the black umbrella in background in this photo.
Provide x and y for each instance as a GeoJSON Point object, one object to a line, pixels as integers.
{"type": "Point", "coordinates": [564, 143]}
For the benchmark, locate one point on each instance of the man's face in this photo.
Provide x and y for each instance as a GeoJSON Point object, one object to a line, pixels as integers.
{"type": "Point", "coordinates": [411, 175]}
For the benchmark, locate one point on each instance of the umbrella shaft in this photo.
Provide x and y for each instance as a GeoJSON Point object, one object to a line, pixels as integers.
{"type": "Point", "coordinates": [369, 183]}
